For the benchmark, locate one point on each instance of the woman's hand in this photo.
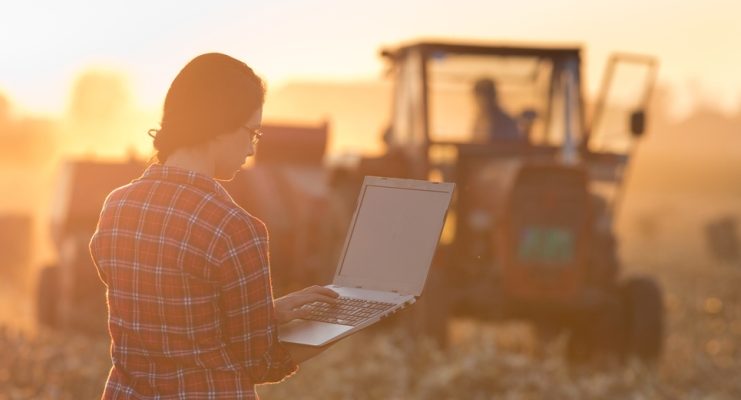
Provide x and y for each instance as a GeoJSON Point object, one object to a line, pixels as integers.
{"type": "Point", "coordinates": [288, 307]}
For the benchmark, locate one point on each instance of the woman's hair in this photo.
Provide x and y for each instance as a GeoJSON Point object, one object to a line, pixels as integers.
{"type": "Point", "coordinates": [212, 95]}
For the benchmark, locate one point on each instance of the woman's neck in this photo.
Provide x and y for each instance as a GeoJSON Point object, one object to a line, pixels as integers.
{"type": "Point", "coordinates": [192, 159]}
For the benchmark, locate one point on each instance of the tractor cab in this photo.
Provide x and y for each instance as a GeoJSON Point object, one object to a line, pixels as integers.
{"type": "Point", "coordinates": [512, 97]}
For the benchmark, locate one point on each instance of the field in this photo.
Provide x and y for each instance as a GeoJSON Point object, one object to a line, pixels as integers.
{"type": "Point", "coordinates": [701, 360]}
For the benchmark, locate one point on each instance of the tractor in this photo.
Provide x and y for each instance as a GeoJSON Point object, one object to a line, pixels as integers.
{"type": "Point", "coordinates": [539, 181]}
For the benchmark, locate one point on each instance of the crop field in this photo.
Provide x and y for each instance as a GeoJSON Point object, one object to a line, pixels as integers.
{"type": "Point", "coordinates": [701, 359]}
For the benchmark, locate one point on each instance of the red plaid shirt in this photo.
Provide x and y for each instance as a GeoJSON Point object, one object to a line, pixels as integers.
{"type": "Point", "coordinates": [189, 297]}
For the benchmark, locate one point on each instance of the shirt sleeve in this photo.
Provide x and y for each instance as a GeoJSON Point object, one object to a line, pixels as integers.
{"type": "Point", "coordinates": [250, 326]}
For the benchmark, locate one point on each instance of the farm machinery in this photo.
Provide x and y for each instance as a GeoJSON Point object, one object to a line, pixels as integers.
{"type": "Point", "coordinates": [530, 235]}
{"type": "Point", "coordinates": [530, 232]}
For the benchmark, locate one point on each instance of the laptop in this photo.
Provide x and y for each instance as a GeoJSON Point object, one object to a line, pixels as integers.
{"type": "Point", "coordinates": [384, 263]}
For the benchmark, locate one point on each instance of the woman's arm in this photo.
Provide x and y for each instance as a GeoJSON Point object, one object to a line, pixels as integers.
{"type": "Point", "coordinates": [249, 323]}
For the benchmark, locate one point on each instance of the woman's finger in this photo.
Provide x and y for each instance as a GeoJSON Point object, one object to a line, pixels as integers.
{"type": "Point", "coordinates": [301, 300]}
{"type": "Point", "coordinates": [297, 300]}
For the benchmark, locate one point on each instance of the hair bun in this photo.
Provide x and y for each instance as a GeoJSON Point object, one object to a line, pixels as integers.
{"type": "Point", "coordinates": [161, 143]}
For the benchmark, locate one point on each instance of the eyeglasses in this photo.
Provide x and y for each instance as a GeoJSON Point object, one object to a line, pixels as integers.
{"type": "Point", "coordinates": [255, 134]}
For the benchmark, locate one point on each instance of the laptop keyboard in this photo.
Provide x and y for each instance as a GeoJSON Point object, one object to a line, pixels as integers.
{"type": "Point", "coordinates": [347, 311]}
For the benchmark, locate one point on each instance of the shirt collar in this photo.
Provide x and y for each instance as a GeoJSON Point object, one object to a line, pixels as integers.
{"type": "Point", "coordinates": [182, 176]}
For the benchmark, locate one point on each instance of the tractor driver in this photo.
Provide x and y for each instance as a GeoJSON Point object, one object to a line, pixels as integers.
{"type": "Point", "coordinates": [492, 122]}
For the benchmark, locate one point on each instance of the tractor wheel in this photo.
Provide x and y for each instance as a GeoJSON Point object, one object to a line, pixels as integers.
{"type": "Point", "coordinates": [644, 328]}
{"type": "Point", "coordinates": [47, 297]}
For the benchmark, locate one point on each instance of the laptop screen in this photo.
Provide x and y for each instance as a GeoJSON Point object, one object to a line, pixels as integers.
{"type": "Point", "coordinates": [394, 234]}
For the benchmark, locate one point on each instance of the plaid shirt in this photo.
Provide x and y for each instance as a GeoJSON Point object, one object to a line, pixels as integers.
{"type": "Point", "coordinates": [189, 297]}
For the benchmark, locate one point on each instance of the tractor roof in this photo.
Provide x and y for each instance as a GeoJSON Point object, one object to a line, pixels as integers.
{"type": "Point", "coordinates": [483, 48]}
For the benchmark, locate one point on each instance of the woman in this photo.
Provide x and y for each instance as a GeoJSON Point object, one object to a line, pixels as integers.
{"type": "Point", "coordinates": [191, 311]}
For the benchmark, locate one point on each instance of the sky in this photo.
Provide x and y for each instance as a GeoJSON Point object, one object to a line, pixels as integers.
{"type": "Point", "coordinates": [46, 45]}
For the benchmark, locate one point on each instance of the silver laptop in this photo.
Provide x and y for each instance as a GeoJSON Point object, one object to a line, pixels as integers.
{"type": "Point", "coordinates": [384, 264]}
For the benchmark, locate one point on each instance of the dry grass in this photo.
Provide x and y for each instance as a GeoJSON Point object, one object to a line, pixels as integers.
{"type": "Point", "coordinates": [52, 366]}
